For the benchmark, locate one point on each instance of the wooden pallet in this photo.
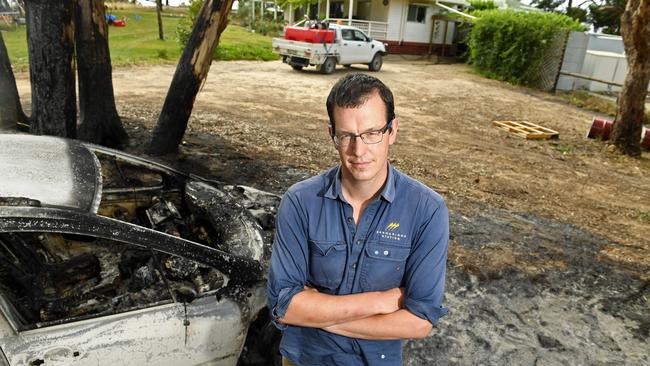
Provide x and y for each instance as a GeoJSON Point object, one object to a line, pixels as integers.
{"type": "Point", "coordinates": [526, 129]}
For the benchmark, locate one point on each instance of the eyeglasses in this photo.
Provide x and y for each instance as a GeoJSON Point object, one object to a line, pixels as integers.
{"type": "Point", "coordinates": [368, 137]}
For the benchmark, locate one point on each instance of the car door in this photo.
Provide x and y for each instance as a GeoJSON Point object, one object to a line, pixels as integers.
{"type": "Point", "coordinates": [364, 50]}
{"type": "Point", "coordinates": [350, 47]}
{"type": "Point", "coordinates": [84, 299]}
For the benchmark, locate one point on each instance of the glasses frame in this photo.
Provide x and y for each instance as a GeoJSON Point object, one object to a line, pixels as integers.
{"type": "Point", "coordinates": [353, 137]}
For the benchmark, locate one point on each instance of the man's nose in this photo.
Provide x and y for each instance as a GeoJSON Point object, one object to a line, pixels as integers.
{"type": "Point", "coordinates": [357, 146]}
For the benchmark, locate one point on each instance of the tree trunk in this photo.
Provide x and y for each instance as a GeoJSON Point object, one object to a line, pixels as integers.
{"type": "Point", "coordinates": [11, 112]}
{"type": "Point", "coordinates": [190, 73]}
{"type": "Point", "coordinates": [161, 35]}
{"type": "Point", "coordinates": [50, 41]}
{"type": "Point", "coordinates": [100, 122]}
{"type": "Point", "coordinates": [635, 28]}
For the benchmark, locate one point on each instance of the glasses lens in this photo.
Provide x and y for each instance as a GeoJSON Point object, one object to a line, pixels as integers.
{"type": "Point", "coordinates": [343, 140]}
{"type": "Point", "coordinates": [373, 137]}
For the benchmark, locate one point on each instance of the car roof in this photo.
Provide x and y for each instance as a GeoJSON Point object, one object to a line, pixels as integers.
{"type": "Point", "coordinates": [52, 170]}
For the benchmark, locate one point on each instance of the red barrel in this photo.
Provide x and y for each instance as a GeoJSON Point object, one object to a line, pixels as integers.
{"type": "Point", "coordinates": [645, 138]}
{"type": "Point", "coordinates": [600, 128]}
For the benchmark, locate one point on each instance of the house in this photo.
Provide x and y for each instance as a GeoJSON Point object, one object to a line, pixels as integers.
{"type": "Point", "coordinates": [415, 27]}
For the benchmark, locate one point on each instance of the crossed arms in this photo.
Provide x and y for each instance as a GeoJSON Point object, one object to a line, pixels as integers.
{"type": "Point", "coordinates": [367, 315]}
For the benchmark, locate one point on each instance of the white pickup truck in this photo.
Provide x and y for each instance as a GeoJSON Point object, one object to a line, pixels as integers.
{"type": "Point", "coordinates": [349, 46]}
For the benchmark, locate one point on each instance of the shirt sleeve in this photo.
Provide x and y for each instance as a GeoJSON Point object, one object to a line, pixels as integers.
{"type": "Point", "coordinates": [288, 271]}
{"type": "Point", "coordinates": [427, 265]}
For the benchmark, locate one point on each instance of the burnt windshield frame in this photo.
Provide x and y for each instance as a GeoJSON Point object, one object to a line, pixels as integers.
{"type": "Point", "coordinates": [33, 219]}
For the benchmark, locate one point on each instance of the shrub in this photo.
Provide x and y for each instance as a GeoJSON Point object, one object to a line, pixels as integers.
{"type": "Point", "coordinates": [482, 4]}
{"type": "Point", "coordinates": [268, 27]}
{"type": "Point", "coordinates": [511, 45]}
{"type": "Point", "coordinates": [184, 27]}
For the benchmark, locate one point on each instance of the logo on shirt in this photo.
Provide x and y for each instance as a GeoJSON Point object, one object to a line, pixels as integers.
{"type": "Point", "coordinates": [389, 232]}
{"type": "Point", "coordinates": [392, 226]}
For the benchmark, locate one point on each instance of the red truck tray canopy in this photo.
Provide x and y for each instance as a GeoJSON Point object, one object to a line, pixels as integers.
{"type": "Point", "coordinates": [310, 35]}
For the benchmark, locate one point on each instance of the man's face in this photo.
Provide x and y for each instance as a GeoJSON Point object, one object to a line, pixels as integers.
{"type": "Point", "coordinates": [361, 162]}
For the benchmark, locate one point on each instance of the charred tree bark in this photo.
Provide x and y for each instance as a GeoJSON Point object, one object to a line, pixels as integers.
{"type": "Point", "coordinates": [635, 28]}
{"type": "Point", "coordinates": [11, 112]}
{"type": "Point", "coordinates": [161, 35]}
{"type": "Point", "coordinates": [100, 122]}
{"type": "Point", "coordinates": [50, 41]}
{"type": "Point", "coordinates": [190, 73]}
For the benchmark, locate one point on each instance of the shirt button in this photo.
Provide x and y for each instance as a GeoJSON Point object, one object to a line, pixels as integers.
{"type": "Point", "coordinates": [383, 356]}
{"type": "Point", "coordinates": [354, 265]}
{"type": "Point", "coordinates": [376, 252]}
{"type": "Point", "coordinates": [386, 252]}
{"type": "Point", "coordinates": [359, 242]}
{"type": "Point", "coordinates": [349, 220]}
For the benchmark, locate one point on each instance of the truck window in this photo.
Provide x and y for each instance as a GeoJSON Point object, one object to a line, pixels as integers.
{"type": "Point", "coordinates": [359, 36]}
{"type": "Point", "coordinates": [347, 34]}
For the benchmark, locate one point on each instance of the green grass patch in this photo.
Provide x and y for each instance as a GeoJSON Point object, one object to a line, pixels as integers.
{"type": "Point", "coordinates": [645, 217]}
{"type": "Point", "coordinates": [564, 149]}
{"type": "Point", "coordinates": [586, 100]}
{"type": "Point", "coordinates": [16, 43]}
{"type": "Point", "coordinates": [237, 43]}
{"type": "Point", "coordinates": [138, 42]}
{"type": "Point", "coordinates": [592, 102]}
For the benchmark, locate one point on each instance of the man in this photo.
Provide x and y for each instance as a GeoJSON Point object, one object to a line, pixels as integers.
{"type": "Point", "coordinates": [360, 251]}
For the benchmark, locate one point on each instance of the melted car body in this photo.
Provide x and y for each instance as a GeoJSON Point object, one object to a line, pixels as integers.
{"type": "Point", "coordinates": [106, 257]}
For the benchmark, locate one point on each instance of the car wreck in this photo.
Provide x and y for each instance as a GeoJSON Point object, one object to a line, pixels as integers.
{"type": "Point", "coordinates": [108, 258]}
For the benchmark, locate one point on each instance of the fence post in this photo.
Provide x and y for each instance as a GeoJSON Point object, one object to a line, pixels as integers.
{"type": "Point", "coordinates": [559, 68]}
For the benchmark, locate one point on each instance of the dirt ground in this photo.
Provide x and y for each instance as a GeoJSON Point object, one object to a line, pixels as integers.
{"type": "Point", "coordinates": [549, 261]}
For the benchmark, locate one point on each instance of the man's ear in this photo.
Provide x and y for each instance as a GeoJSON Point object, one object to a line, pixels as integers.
{"type": "Point", "coordinates": [329, 132]}
{"type": "Point", "coordinates": [393, 131]}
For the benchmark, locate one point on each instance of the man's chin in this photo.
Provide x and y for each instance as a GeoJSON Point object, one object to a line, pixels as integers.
{"type": "Point", "coordinates": [361, 174]}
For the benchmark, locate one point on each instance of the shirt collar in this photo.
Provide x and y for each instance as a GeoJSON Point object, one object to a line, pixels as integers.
{"type": "Point", "coordinates": [335, 188]}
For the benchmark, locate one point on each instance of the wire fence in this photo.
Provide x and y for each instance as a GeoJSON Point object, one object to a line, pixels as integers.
{"type": "Point", "coordinates": [549, 70]}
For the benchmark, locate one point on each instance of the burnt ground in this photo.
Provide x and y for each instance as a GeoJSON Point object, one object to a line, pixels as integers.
{"type": "Point", "coordinates": [550, 252]}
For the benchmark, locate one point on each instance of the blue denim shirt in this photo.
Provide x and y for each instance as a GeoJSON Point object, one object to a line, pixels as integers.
{"type": "Point", "coordinates": [400, 241]}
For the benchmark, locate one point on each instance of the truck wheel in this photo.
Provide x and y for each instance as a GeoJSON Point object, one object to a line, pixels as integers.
{"type": "Point", "coordinates": [296, 67]}
{"type": "Point", "coordinates": [328, 66]}
{"type": "Point", "coordinates": [375, 64]}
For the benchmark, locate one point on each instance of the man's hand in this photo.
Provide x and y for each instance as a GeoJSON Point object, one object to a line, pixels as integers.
{"type": "Point", "coordinates": [392, 300]}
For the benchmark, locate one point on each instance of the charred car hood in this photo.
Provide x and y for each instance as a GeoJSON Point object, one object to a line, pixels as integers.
{"type": "Point", "coordinates": [54, 171]}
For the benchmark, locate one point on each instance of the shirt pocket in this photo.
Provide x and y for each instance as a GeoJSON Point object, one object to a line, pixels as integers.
{"type": "Point", "coordinates": [383, 266]}
{"type": "Point", "coordinates": [326, 263]}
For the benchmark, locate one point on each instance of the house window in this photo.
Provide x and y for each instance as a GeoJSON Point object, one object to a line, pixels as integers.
{"type": "Point", "coordinates": [417, 13]}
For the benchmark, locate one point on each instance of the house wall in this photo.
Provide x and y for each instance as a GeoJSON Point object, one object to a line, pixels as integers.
{"type": "Point", "coordinates": [419, 32]}
{"type": "Point", "coordinates": [401, 30]}
{"type": "Point", "coordinates": [378, 11]}
{"type": "Point", "coordinates": [396, 13]}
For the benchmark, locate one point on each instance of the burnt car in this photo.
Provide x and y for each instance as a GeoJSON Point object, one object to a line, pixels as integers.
{"type": "Point", "coordinates": [108, 258]}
